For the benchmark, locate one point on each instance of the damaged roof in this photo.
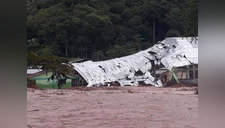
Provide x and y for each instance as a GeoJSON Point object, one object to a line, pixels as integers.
{"type": "Point", "coordinates": [33, 71]}
{"type": "Point", "coordinates": [176, 52]}
{"type": "Point", "coordinates": [132, 69]}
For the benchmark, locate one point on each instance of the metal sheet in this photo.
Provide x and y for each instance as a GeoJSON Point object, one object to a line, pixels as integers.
{"type": "Point", "coordinates": [171, 52]}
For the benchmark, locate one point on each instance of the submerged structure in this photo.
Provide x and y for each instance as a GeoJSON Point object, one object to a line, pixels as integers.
{"type": "Point", "coordinates": [151, 66]}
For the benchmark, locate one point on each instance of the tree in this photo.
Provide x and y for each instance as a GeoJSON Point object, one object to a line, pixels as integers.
{"type": "Point", "coordinates": [191, 17]}
{"type": "Point", "coordinates": [92, 28]}
{"type": "Point", "coordinates": [59, 66]}
{"type": "Point", "coordinates": [153, 12]}
{"type": "Point", "coordinates": [173, 33]}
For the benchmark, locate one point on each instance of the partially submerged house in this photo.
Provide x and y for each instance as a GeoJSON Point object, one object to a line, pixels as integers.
{"type": "Point", "coordinates": [174, 57]}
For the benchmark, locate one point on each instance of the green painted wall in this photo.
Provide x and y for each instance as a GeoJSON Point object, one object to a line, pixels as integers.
{"type": "Point", "coordinates": [43, 84]}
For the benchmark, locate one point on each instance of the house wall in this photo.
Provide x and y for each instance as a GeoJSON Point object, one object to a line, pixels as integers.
{"type": "Point", "coordinates": [78, 82]}
{"type": "Point", "coordinates": [184, 75]}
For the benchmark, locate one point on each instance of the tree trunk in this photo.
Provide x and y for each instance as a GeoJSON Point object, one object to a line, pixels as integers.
{"type": "Point", "coordinates": [97, 56]}
{"type": "Point", "coordinates": [95, 51]}
{"type": "Point", "coordinates": [66, 47]}
{"type": "Point", "coordinates": [153, 31]}
{"type": "Point", "coordinates": [45, 40]}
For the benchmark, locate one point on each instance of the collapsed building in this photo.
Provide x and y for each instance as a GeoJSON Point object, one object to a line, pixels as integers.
{"type": "Point", "coordinates": [174, 57]}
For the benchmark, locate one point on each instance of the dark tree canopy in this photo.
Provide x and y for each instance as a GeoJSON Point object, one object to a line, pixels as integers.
{"type": "Point", "coordinates": [105, 29]}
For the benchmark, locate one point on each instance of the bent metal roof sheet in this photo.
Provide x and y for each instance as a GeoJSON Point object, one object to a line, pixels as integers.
{"type": "Point", "coordinates": [171, 52]}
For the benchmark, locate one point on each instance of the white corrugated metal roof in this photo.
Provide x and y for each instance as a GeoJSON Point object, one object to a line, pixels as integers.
{"type": "Point", "coordinates": [33, 71]}
{"type": "Point", "coordinates": [171, 52]}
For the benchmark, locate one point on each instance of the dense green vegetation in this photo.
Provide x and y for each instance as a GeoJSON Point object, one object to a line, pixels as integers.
{"type": "Point", "coordinates": [105, 29]}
